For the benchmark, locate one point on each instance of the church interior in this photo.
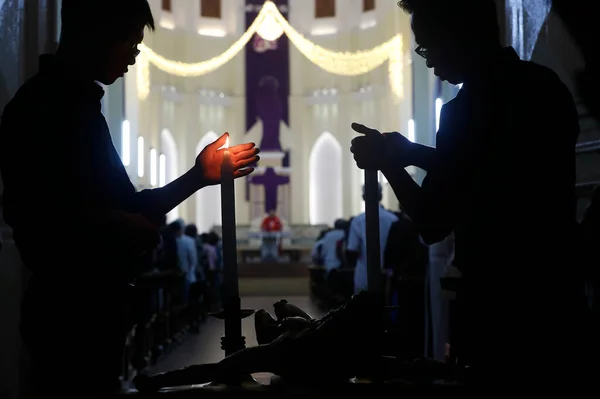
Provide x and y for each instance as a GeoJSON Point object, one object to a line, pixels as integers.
{"type": "Point", "coordinates": [290, 76]}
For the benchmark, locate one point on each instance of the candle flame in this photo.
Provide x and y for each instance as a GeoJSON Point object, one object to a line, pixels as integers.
{"type": "Point", "coordinates": [226, 143]}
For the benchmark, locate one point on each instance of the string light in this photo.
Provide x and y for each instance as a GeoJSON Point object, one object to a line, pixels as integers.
{"type": "Point", "coordinates": [270, 24]}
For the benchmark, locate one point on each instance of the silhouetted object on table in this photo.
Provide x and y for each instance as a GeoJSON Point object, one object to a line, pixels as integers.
{"type": "Point", "coordinates": [504, 157]}
{"type": "Point", "coordinates": [333, 349]}
{"type": "Point", "coordinates": [81, 191]}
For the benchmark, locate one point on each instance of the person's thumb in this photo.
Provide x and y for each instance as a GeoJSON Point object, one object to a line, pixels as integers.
{"type": "Point", "coordinates": [220, 142]}
{"type": "Point", "coordinates": [367, 131]}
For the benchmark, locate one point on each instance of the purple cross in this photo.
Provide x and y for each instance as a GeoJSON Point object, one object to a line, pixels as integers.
{"type": "Point", "coordinates": [271, 181]}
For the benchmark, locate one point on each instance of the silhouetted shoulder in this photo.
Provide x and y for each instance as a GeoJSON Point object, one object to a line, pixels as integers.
{"type": "Point", "coordinates": [543, 79]}
{"type": "Point", "coordinates": [25, 113]}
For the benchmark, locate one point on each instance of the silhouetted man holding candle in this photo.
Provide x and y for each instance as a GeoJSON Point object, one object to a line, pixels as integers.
{"type": "Point", "coordinates": [61, 170]}
{"type": "Point", "coordinates": [502, 179]}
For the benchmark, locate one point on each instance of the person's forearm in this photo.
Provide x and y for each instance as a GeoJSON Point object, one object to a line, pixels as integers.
{"type": "Point", "coordinates": [405, 189]}
{"type": "Point", "coordinates": [156, 203]}
{"type": "Point", "coordinates": [422, 156]}
{"type": "Point", "coordinates": [430, 218]}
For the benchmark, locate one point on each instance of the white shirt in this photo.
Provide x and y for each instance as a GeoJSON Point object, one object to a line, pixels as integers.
{"type": "Point", "coordinates": [328, 246]}
{"type": "Point", "coordinates": [188, 257]}
{"type": "Point", "coordinates": [357, 242]}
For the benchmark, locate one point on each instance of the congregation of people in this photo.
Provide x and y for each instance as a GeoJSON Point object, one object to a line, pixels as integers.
{"type": "Point", "coordinates": [339, 271]}
{"type": "Point", "coordinates": [179, 286]}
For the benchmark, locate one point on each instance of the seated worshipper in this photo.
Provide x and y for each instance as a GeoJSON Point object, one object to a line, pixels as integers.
{"type": "Point", "coordinates": [332, 244]}
{"type": "Point", "coordinates": [74, 315]}
{"type": "Point", "coordinates": [187, 255]}
{"type": "Point", "coordinates": [211, 258]}
{"type": "Point", "coordinates": [166, 252]}
{"type": "Point", "coordinates": [356, 249]}
{"type": "Point", "coordinates": [317, 251]}
{"type": "Point", "coordinates": [520, 304]}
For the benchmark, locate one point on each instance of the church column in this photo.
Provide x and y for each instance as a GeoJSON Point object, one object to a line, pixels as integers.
{"type": "Point", "coordinates": [237, 106]}
{"type": "Point", "coordinates": [345, 118]}
{"type": "Point", "coordinates": [188, 135]}
{"type": "Point", "coordinates": [176, 119]}
{"type": "Point", "coordinates": [300, 124]}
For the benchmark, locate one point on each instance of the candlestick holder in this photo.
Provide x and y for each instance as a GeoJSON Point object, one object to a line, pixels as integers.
{"type": "Point", "coordinates": [233, 341]}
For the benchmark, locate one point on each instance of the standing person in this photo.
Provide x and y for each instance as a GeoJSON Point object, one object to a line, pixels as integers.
{"type": "Point", "coordinates": [54, 126]}
{"type": "Point", "coordinates": [502, 178]}
{"type": "Point", "coordinates": [356, 249]}
{"type": "Point", "coordinates": [271, 228]}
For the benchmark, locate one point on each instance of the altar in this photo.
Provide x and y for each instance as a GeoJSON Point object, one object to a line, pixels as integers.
{"type": "Point", "coordinates": [297, 243]}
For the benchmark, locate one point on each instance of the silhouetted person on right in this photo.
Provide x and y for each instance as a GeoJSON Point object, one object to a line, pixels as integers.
{"type": "Point", "coordinates": [502, 179]}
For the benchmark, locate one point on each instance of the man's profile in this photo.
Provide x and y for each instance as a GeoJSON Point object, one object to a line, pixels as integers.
{"type": "Point", "coordinates": [501, 178]}
{"type": "Point", "coordinates": [62, 174]}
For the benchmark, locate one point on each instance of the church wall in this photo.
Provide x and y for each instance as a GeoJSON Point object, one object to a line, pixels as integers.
{"type": "Point", "coordinates": [318, 101]}
{"type": "Point", "coordinates": [334, 102]}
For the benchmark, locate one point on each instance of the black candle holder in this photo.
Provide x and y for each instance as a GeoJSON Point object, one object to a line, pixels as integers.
{"type": "Point", "coordinates": [233, 340]}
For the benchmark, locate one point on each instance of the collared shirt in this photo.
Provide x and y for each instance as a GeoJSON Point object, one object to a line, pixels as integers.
{"type": "Point", "coordinates": [357, 242]}
{"type": "Point", "coordinates": [58, 163]}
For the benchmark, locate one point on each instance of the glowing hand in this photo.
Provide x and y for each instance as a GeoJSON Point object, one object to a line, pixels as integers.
{"type": "Point", "coordinates": [208, 162]}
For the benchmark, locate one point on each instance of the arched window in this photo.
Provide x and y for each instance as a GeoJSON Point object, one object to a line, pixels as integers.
{"type": "Point", "coordinates": [210, 9]}
{"type": "Point", "coordinates": [324, 8]}
{"type": "Point", "coordinates": [325, 180]}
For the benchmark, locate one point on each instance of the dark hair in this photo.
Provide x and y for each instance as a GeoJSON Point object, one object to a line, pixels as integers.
{"type": "Point", "coordinates": [213, 238]}
{"type": "Point", "coordinates": [191, 230]}
{"type": "Point", "coordinates": [175, 227]}
{"type": "Point", "coordinates": [470, 19]}
{"type": "Point", "coordinates": [104, 20]}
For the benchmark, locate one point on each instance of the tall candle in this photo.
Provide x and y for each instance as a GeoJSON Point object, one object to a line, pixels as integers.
{"type": "Point", "coordinates": [374, 277]}
{"type": "Point", "coordinates": [230, 276]}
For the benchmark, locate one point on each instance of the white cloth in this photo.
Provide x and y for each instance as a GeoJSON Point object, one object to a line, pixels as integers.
{"type": "Point", "coordinates": [188, 257]}
{"type": "Point", "coordinates": [357, 242]}
{"type": "Point", "coordinates": [328, 246]}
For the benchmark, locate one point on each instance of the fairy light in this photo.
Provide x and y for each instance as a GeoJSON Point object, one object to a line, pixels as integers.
{"type": "Point", "coordinates": [270, 24]}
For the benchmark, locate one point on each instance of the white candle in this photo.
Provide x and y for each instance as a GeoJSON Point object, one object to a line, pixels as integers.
{"type": "Point", "coordinates": [230, 277]}
{"type": "Point", "coordinates": [374, 276]}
